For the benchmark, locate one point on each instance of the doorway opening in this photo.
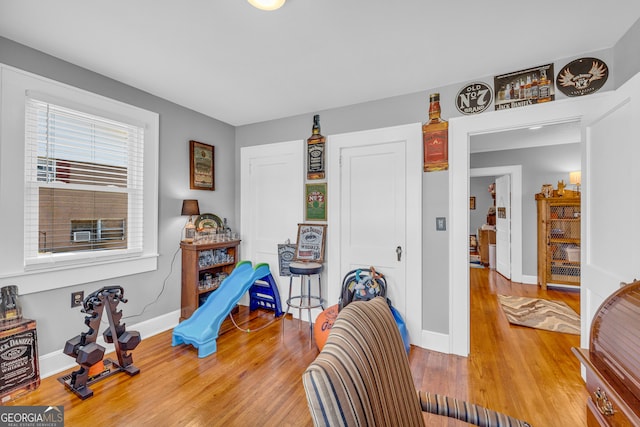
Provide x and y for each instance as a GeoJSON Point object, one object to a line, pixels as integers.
{"type": "Point", "coordinates": [515, 212]}
{"type": "Point", "coordinates": [461, 132]}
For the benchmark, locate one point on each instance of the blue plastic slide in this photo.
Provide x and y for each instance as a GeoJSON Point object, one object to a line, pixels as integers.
{"type": "Point", "coordinates": [201, 329]}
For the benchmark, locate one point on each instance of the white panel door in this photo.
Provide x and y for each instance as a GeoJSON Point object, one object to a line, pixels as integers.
{"type": "Point", "coordinates": [373, 213]}
{"type": "Point", "coordinates": [610, 200]}
{"type": "Point", "coordinates": [503, 225]}
{"type": "Point", "coordinates": [271, 197]}
{"type": "Point", "coordinates": [374, 220]}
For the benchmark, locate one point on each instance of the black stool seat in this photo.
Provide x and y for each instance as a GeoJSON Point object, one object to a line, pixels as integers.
{"type": "Point", "coordinates": [305, 268]}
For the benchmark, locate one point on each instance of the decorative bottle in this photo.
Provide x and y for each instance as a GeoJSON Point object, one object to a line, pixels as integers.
{"type": "Point", "coordinates": [315, 151]}
{"type": "Point", "coordinates": [435, 138]}
{"type": "Point", "coordinates": [544, 87]}
{"type": "Point", "coordinates": [534, 87]}
{"type": "Point", "coordinates": [10, 307]}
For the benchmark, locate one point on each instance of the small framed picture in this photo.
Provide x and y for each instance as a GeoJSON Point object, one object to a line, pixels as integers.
{"type": "Point", "coordinates": [310, 244]}
{"type": "Point", "coordinates": [201, 166]}
{"type": "Point", "coordinates": [472, 203]}
{"type": "Point", "coordinates": [316, 202]}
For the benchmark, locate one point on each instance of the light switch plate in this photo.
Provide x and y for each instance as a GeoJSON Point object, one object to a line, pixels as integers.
{"type": "Point", "coordinates": [441, 223]}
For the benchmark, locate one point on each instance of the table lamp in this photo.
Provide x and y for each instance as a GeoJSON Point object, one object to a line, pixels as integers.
{"type": "Point", "coordinates": [190, 207]}
{"type": "Point", "coordinates": [574, 179]}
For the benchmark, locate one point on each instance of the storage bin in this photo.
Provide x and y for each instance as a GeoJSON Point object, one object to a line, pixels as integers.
{"type": "Point", "coordinates": [573, 254]}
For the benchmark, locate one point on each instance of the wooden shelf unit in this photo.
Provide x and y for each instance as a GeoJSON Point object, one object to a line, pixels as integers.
{"type": "Point", "coordinates": [198, 260]}
{"type": "Point", "coordinates": [485, 238]}
{"type": "Point", "coordinates": [558, 239]}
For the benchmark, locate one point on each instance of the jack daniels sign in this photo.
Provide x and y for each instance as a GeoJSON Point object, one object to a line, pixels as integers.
{"type": "Point", "coordinates": [525, 87]}
{"type": "Point", "coordinates": [474, 98]}
{"type": "Point", "coordinates": [582, 77]}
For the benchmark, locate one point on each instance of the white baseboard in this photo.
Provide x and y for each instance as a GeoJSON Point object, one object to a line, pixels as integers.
{"type": "Point", "coordinates": [435, 341]}
{"type": "Point", "coordinates": [529, 280]}
{"type": "Point", "coordinates": [56, 361]}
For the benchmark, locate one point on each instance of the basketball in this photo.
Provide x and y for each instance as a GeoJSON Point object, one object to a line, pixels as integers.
{"type": "Point", "coordinates": [323, 325]}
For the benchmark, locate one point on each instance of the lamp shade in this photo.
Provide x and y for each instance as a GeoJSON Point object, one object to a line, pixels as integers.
{"type": "Point", "coordinates": [267, 4]}
{"type": "Point", "coordinates": [575, 177]}
{"type": "Point", "coordinates": [190, 207]}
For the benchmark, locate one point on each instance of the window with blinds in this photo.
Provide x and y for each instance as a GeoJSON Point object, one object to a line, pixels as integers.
{"type": "Point", "coordinates": [83, 185]}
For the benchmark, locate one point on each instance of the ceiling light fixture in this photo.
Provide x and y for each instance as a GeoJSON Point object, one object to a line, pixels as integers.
{"type": "Point", "coordinates": [267, 4]}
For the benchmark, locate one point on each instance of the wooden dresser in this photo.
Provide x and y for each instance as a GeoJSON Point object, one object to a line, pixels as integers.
{"type": "Point", "coordinates": [612, 361]}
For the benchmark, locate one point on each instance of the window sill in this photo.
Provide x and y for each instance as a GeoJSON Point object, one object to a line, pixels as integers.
{"type": "Point", "coordinates": [59, 277]}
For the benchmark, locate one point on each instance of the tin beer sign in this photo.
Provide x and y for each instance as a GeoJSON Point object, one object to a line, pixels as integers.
{"type": "Point", "coordinates": [474, 98]}
{"type": "Point", "coordinates": [582, 76]}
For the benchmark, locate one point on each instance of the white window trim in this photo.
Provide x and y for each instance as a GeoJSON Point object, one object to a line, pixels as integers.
{"type": "Point", "coordinates": [15, 84]}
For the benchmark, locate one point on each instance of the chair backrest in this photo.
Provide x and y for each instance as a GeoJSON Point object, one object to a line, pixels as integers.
{"type": "Point", "coordinates": [362, 375]}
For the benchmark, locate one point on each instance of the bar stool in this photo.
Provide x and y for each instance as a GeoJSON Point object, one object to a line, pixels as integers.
{"type": "Point", "coordinates": [305, 300]}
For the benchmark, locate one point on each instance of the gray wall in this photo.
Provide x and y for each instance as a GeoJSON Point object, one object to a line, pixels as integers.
{"type": "Point", "coordinates": [626, 54]}
{"type": "Point", "coordinates": [57, 322]}
{"type": "Point", "coordinates": [540, 165]}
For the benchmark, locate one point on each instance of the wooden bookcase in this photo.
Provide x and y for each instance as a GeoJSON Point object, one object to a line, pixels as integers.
{"type": "Point", "coordinates": [558, 239]}
{"type": "Point", "coordinates": [199, 262]}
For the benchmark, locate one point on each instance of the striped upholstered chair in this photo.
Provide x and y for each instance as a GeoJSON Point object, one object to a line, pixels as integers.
{"type": "Point", "coordinates": [362, 377]}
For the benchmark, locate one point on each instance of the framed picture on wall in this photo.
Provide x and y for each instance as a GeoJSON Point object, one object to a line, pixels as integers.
{"type": "Point", "coordinates": [315, 202]}
{"type": "Point", "coordinates": [310, 244]}
{"type": "Point", "coordinates": [472, 203]}
{"type": "Point", "coordinates": [201, 166]}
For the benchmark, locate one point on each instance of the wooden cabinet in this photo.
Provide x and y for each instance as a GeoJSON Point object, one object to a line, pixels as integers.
{"type": "Point", "coordinates": [203, 268]}
{"type": "Point", "coordinates": [559, 239]}
{"type": "Point", "coordinates": [612, 361]}
{"type": "Point", "coordinates": [486, 237]}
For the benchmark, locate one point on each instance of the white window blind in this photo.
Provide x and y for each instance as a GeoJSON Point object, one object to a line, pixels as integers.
{"type": "Point", "coordinates": [83, 185]}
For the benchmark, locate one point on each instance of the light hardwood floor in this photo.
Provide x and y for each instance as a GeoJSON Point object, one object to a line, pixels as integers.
{"type": "Point", "coordinates": [255, 378]}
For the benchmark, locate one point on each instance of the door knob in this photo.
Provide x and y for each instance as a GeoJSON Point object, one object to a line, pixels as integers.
{"type": "Point", "coordinates": [399, 252]}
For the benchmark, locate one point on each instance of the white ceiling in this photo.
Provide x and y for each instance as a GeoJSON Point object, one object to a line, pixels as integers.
{"type": "Point", "coordinates": [241, 65]}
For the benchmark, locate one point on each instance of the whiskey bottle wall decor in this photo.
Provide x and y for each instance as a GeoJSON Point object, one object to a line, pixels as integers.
{"type": "Point", "coordinates": [315, 152]}
{"type": "Point", "coordinates": [435, 138]}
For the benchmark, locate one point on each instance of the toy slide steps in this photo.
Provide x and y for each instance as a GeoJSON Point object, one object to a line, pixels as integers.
{"type": "Point", "coordinates": [201, 329]}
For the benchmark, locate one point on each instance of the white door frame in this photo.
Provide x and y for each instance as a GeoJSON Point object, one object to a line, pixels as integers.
{"type": "Point", "coordinates": [461, 129]}
{"type": "Point", "coordinates": [413, 251]}
{"type": "Point", "coordinates": [503, 226]}
{"type": "Point", "coordinates": [515, 172]}
{"type": "Point", "coordinates": [609, 249]}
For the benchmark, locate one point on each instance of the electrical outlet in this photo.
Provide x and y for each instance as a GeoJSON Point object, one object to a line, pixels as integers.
{"type": "Point", "coordinates": [76, 298]}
